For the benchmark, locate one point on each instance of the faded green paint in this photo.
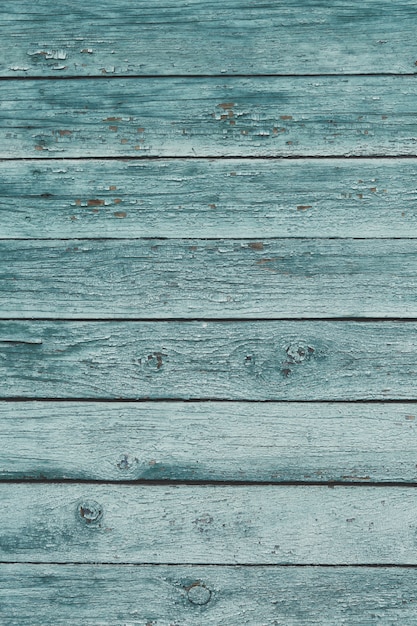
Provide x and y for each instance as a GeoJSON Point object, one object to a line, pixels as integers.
{"type": "Point", "coordinates": [213, 37]}
{"type": "Point", "coordinates": [201, 198]}
{"type": "Point", "coordinates": [185, 80]}
{"type": "Point", "coordinates": [256, 116]}
{"type": "Point", "coordinates": [281, 360]}
{"type": "Point", "coordinates": [50, 595]}
{"type": "Point", "coordinates": [275, 278]}
{"type": "Point", "coordinates": [208, 524]}
{"type": "Point", "coordinates": [197, 441]}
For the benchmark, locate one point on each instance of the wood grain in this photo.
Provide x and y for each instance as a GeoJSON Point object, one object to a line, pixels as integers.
{"type": "Point", "coordinates": [262, 525]}
{"type": "Point", "coordinates": [201, 198]}
{"type": "Point", "coordinates": [246, 117]}
{"type": "Point", "coordinates": [219, 360]}
{"type": "Point", "coordinates": [224, 278]}
{"type": "Point", "coordinates": [50, 595]}
{"type": "Point", "coordinates": [215, 37]}
{"type": "Point", "coordinates": [224, 441]}
{"type": "Point", "coordinates": [192, 164]}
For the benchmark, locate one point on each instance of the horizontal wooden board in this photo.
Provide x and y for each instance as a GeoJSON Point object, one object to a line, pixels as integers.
{"type": "Point", "coordinates": [208, 198]}
{"type": "Point", "coordinates": [160, 279]}
{"type": "Point", "coordinates": [262, 525]}
{"type": "Point", "coordinates": [50, 595]}
{"type": "Point", "coordinates": [142, 37]}
{"type": "Point", "coordinates": [226, 441]}
{"type": "Point", "coordinates": [290, 116]}
{"type": "Point", "coordinates": [235, 360]}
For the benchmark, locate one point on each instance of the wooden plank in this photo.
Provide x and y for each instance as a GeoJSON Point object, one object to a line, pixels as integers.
{"type": "Point", "coordinates": [223, 278]}
{"type": "Point", "coordinates": [198, 596]}
{"type": "Point", "coordinates": [200, 198]}
{"type": "Point", "coordinates": [224, 441]}
{"type": "Point", "coordinates": [262, 525]}
{"type": "Point", "coordinates": [290, 116]}
{"type": "Point", "coordinates": [215, 37]}
{"type": "Point", "coordinates": [214, 360]}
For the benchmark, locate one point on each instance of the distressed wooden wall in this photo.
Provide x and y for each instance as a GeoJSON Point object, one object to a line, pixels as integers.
{"type": "Point", "coordinates": [208, 334]}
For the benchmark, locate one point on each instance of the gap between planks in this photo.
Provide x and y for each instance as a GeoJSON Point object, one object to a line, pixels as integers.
{"type": "Point", "coordinates": [215, 320]}
{"type": "Point", "coordinates": [144, 482]}
{"type": "Point", "coordinates": [216, 157]}
{"type": "Point", "coordinates": [6, 399]}
{"type": "Point", "coordinates": [203, 239]}
{"type": "Point", "coordinates": [227, 566]}
{"type": "Point", "coordinates": [205, 76]}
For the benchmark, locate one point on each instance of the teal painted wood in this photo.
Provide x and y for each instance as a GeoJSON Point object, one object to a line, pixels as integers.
{"type": "Point", "coordinates": [209, 279]}
{"type": "Point", "coordinates": [157, 524]}
{"type": "Point", "coordinates": [247, 276]}
{"type": "Point", "coordinates": [209, 441]}
{"type": "Point", "coordinates": [203, 198]}
{"type": "Point", "coordinates": [301, 36]}
{"type": "Point", "coordinates": [50, 595]}
{"type": "Point", "coordinates": [315, 116]}
{"type": "Point", "coordinates": [194, 360]}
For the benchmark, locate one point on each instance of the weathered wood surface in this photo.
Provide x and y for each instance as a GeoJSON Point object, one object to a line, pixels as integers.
{"type": "Point", "coordinates": [258, 116]}
{"type": "Point", "coordinates": [226, 278]}
{"type": "Point", "coordinates": [50, 595]}
{"type": "Point", "coordinates": [157, 524]}
{"type": "Point", "coordinates": [235, 360]}
{"type": "Point", "coordinates": [230, 80]}
{"type": "Point", "coordinates": [142, 37]}
{"type": "Point", "coordinates": [223, 441]}
{"type": "Point", "coordinates": [208, 198]}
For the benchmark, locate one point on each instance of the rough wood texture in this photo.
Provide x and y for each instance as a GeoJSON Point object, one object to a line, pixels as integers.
{"type": "Point", "coordinates": [208, 524]}
{"type": "Point", "coordinates": [214, 37]}
{"type": "Point", "coordinates": [148, 89]}
{"type": "Point", "coordinates": [276, 278]}
{"type": "Point", "coordinates": [50, 595]}
{"type": "Point", "coordinates": [235, 360]}
{"type": "Point", "coordinates": [316, 116]}
{"type": "Point", "coordinates": [202, 198]}
{"type": "Point", "coordinates": [208, 441]}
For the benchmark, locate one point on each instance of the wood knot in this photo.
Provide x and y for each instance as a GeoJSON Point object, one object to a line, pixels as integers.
{"type": "Point", "coordinates": [153, 361]}
{"type": "Point", "coordinates": [90, 512]}
{"type": "Point", "coordinates": [296, 353]}
{"type": "Point", "coordinates": [126, 463]}
{"type": "Point", "coordinates": [198, 594]}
